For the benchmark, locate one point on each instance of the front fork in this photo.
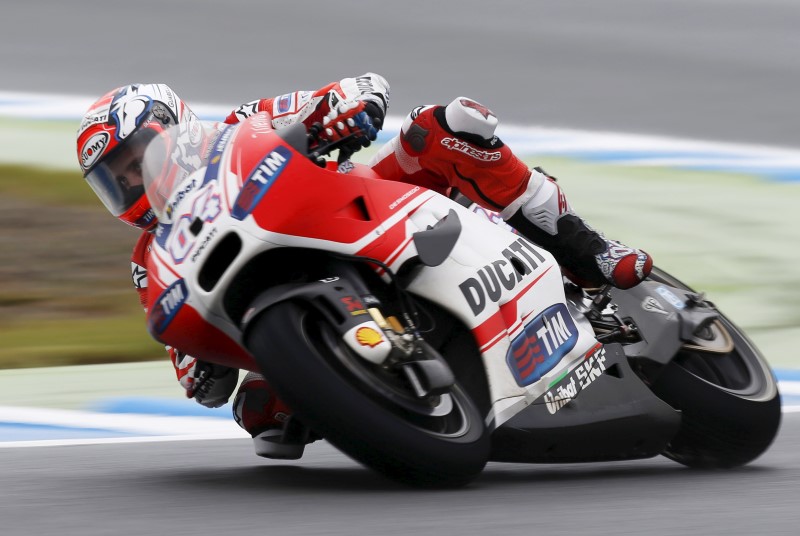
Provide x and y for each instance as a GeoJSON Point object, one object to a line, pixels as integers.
{"type": "Point", "coordinates": [391, 342]}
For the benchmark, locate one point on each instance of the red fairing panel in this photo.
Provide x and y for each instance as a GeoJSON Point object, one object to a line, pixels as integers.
{"type": "Point", "coordinates": [171, 318]}
{"type": "Point", "coordinates": [307, 201]}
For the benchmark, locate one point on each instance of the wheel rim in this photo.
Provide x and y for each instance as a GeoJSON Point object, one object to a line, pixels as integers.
{"type": "Point", "coordinates": [444, 416]}
{"type": "Point", "coordinates": [741, 371]}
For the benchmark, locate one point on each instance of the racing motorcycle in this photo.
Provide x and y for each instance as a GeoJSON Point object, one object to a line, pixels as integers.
{"type": "Point", "coordinates": [419, 337]}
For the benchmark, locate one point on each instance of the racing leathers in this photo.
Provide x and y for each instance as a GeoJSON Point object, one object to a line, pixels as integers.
{"type": "Point", "coordinates": [455, 147]}
{"type": "Point", "coordinates": [443, 148]}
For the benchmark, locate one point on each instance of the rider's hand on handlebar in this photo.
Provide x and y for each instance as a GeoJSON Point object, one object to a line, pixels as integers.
{"type": "Point", "coordinates": [350, 118]}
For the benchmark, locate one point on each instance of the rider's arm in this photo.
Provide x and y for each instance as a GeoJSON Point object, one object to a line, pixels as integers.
{"type": "Point", "coordinates": [370, 90]}
{"type": "Point", "coordinates": [210, 385]}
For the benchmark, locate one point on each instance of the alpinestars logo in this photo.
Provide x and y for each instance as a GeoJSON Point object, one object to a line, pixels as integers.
{"type": "Point", "coordinates": [246, 110]}
{"type": "Point", "coordinates": [416, 111]}
{"type": "Point", "coordinates": [139, 276]}
{"type": "Point", "coordinates": [454, 144]}
{"type": "Point", "coordinates": [480, 108]}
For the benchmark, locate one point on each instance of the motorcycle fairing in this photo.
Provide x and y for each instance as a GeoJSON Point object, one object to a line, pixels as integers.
{"type": "Point", "coordinates": [176, 318]}
{"type": "Point", "coordinates": [497, 283]}
{"type": "Point", "coordinates": [615, 417]}
{"type": "Point", "coordinates": [666, 320]}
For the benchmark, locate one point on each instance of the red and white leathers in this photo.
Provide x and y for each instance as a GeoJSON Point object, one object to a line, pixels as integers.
{"type": "Point", "coordinates": [454, 146]}
{"type": "Point", "coordinates": [256, 409]}
{"type": "Point", "coordinates": [333, 106]}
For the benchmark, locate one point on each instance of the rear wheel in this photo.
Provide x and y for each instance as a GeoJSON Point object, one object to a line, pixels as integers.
{"type": "Point", "coordinates": [726, 392]}
{"type": "Point", "coordinates": [367, 411]}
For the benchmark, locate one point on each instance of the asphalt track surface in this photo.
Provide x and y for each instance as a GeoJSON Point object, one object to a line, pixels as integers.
{"type": "Point", "coordinates": [219, 487]}
{"type": "Point", "coordinates": [722, 70]}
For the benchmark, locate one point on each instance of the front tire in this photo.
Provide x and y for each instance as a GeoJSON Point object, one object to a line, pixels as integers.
{"type": "Point", "coordinates": [364, 410]}
{"type": "Point", "coordinates": [730, 405]}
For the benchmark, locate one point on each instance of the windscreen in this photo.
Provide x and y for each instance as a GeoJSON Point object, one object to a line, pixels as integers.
{"type": "Point", "coordinates": [170, 157]}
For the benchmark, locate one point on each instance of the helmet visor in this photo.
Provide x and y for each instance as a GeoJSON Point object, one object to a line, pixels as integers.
{"type": "Point", "coordinates": [117, 179]}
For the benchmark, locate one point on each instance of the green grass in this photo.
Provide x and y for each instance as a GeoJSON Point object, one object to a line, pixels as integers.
{"type": "Point", "coordinates": [51, 186]}
{"type": "Point", "coordinates": [65, 290]}
{"type": "Point", "coordinates": [83, 340]}
{"type": "Point", "coordinates": [732, 236]}
{"type": "Point", "coordinates": [66, 298]}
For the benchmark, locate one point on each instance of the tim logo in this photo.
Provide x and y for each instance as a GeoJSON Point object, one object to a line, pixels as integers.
{"type": "Point", "coordinates": [259, 181]}
{"type": "Point", "coordinates": [541, 345]}
{"type": "Point", "coordinates": [167, 306]}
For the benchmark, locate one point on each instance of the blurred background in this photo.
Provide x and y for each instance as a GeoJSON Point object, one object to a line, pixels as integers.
{"type": "Point", "coordinates": [672, 125]}
{"type": "Point", "coordinates": [723, 218]}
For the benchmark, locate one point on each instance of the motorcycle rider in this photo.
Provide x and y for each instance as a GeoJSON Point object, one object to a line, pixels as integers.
{"type": "Point", "coordinates": [439, 147]}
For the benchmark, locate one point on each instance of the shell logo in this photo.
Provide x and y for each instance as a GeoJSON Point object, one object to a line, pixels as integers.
{"type": "Point", "coordinates": [368, 337]}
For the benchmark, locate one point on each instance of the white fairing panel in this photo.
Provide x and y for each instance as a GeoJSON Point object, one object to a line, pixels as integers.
{"type": "Point", "coordinates": [510, 293]}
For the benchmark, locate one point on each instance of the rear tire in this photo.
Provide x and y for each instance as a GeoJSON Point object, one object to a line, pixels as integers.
{"type": "Point", "coordinates": [731, 408]}
{"type": "Point", "coordinates": [364, 410]}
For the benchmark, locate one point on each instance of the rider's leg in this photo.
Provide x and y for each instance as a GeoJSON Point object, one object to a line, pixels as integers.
{"type": "Point", "coordinates": [455, 146]}
{"type": "Point", "coordinates": [263, 415]}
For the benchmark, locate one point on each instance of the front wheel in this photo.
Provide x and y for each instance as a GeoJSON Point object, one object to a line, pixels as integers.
{"type": "Point", "coordinates": [728, 397]}
{"type": "Point", "coordinates": [367, 411]}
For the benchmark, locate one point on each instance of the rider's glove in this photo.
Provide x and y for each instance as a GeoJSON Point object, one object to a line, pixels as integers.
{"type": "Point", "coordinates": [209, 384]}
{"type": "Point", "coordinates": [357, 106]}
{"type": "Point", "coordinates": [347, 118]}
{"type": "Point", "coordinates": [372, 89]}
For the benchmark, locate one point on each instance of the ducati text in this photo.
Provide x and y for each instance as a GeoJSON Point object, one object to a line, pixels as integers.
{"type": "Point", "coordinates": [520, 258]}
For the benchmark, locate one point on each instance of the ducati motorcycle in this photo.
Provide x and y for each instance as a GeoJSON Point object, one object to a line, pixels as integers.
{"type": "Point", "coordinates": [419, 337]}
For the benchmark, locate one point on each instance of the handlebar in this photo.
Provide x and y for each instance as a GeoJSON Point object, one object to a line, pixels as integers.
{"type": "Point", "coordinates": [347, 146]}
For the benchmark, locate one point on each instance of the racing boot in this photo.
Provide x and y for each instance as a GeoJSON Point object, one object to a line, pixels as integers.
{"type": "Point", "coordinates": [544, 215]}
{"type": "Point", "coordinates": [455, 146]}
{"type": "Point", "coordinates": [268, 420]}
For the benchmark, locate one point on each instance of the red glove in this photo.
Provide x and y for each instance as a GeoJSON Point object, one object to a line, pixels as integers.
{"type": "Point", "coordinates": [349, 118]}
